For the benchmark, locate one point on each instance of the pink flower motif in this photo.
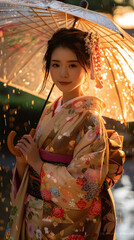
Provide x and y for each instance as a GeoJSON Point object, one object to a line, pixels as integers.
{"type": "Point", "coordinates": [90, 135]}
{"type": "Point", "coordinates": [30, 229]}
{"type": "Point", "coordinates": [58, 212]}
{"type": "Point", "coordinates": [97, 130]}
{"type": "Point", "coordinates": [95, 208]}
{"type": "Point", "coordinates": [28, 208]}
{"type": "Point", "coordinates": [46, 194]}
{"type": "Point", "coordinates": [67, 134]}
{"type": "Point", "coordinates": [81, 204]}
{"type": "Point", "coordinates": [92, 175]}
{"type": "Point", "coordinates": [78, 104]}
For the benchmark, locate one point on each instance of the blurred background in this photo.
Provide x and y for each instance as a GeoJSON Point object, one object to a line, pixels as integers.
{"type": "Point", "coordinates": [21, 111]}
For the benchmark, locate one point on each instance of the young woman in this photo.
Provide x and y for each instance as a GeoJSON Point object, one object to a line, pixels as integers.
{"type": "Point", "coordinates": [64, 172]}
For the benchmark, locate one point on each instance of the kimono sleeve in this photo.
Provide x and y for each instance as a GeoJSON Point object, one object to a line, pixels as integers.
{"type": "Point", "coordinates": [78, 184]}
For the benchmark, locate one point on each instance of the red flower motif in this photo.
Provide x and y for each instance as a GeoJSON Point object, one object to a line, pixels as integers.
{"type": "Point", "coordinates": [75, 237]}
{"type": "Point", "coordinates": [46, 194]}
{"type": "Point", "coordinates": [42, 175]}
{"type": "Point", "coordinates": [78, 104]}
{"type": "Point", "coordinates": [81, 204]}
{"type": "Point", "coordinates": [14, 47]}
{"type": "Point", "coordinates": [80, 181]}
{"type": "Point", "coordinates": [87, 162]}
{"type": "Point", "coordinates": [64, 200]}
{"type": "Point", "coordinates": [97, 130]}
{"type": "Point", "coordinates": [95, 208]}
{"type": "Point", "coordinates": [58, 212]}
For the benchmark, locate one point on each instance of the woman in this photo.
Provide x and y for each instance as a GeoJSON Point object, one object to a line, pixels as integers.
{"type": "Point", "coordinates": [67, 195]}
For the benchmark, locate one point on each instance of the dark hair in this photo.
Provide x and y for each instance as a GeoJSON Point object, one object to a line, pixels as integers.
{"type": "Point", "coordinates": [70, 38]}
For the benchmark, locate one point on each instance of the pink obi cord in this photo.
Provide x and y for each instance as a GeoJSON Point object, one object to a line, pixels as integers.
{"type": "Point", "coordinates": [53, 157]}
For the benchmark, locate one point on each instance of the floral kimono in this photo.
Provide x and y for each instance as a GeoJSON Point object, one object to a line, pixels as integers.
{"type": "Point", "coordinates": [71, 199]}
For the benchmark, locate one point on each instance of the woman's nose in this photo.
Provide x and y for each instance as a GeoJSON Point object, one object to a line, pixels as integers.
{"type": "Point", "coordinates": [63, 71]}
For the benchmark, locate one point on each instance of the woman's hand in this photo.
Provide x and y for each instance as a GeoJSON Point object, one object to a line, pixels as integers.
{"type": "Point", "coordinates": [28, 147]}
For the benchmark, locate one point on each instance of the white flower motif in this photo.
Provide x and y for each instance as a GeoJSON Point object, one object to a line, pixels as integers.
{"type": "Point", "coordinates": [59, 137]}
{"type": "Point", "coordinates": [72, 204]}
{"type": "Point", "coordinates": [80, 195]}
{"type": "Point", "coordinates": [46, 230]}
{"type": "Point", "coordinates": [52, 234]}
{"type": "Point", "coordinates": [47, 219]}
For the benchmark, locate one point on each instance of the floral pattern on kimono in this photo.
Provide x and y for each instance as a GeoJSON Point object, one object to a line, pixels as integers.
{"type": "Point", "coordinates": [74, 196]}
{"type": "Point", "coordinates": [74, 192]}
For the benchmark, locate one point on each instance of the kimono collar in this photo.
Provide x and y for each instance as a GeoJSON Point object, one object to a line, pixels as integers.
{"type": "Point", "coordinates": [80, 103]}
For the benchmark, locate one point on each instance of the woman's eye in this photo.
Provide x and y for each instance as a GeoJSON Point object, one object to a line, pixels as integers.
{"type": "Point", "coordinates": [55, 65]}
{"type": "Point", "coordinates": [72, 65]}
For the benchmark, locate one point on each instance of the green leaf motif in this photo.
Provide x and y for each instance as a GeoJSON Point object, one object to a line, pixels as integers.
{"type": "Point", "coordinates": [30, 216]}
{"type": "Point", "coordinates": [84, 170]}
{"type": "Point", "coordinates": [71, 111]}
{"type": "Point", "coordinates": [10, 222]}
{"type": "Point", "coordinates": [68, 106]}
{"type": "Point", "coordinates": [14, 210]}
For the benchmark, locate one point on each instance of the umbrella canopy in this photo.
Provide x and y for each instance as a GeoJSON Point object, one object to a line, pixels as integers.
{"type": "Point", "coordinates": [25, 28]}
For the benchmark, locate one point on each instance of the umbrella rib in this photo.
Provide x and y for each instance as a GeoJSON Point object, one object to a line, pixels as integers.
{"type": "Point", "coordinates": [115, 83]}
{"type": "Point", "coordinates": [121, 41]}
{"type": "Point", "coordinates": [66, 20]}
{"type": "Point", "coordinates": [115, 87]}
{"type": "Point", "coordinates": [106, 35]}
{"type": "Point", "coordinates": [35, 28]}
{"type": "Point", "coordinates": [116, 90]}
{"type": "Point", "coordinates": [120, 53]}
{"type": "Point", "coordinates": [13, 53]}
{"type": "Point", "coordinates": [31, 28]}
{"type": "Point", "coordinates": [122, 72]}
{"type": "Point", "coordinates": [28, 60]}
{"type": "Point", "coordinates": [31, 21]}
{"type": "Point", "coordinates": [42, 20]}
{"type": "Point", "coordinates": [54, 18]}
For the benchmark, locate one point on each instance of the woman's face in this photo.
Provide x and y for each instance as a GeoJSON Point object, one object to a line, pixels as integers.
{"type": "Point", "coordinates": [65, 70]}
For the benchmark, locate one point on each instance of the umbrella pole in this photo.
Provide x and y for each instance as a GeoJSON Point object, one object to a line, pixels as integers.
{"type": "Point", "coordinates": [83, 4]}
{"type": "Point", "coordinates": [47, 98]}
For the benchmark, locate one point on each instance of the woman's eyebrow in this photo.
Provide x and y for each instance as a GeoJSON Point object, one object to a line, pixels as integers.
{"type": "Point", "coordinates": [54, 60]}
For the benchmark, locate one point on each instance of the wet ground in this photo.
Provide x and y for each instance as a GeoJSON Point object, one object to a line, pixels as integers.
{"type": "Point", "coordinates": [123, 193]}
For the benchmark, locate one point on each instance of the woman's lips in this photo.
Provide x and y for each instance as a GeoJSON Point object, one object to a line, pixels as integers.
{"type": "Point", "coordinates": [64, 83]}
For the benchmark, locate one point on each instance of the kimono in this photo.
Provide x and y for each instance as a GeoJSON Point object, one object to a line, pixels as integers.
{"type": "Point", "coordinates": [71, 199]}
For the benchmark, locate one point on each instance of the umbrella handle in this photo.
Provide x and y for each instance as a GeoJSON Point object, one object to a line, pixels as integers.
{"type": "Point", "coordinates": [10, 142]}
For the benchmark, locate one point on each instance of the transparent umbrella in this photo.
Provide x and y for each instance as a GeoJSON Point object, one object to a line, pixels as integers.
{"type": "Point", "coordinates": [25, 28]}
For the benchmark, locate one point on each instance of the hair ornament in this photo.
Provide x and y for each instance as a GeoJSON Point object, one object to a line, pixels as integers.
{"type": "Point", "coordinates": [93, 48]}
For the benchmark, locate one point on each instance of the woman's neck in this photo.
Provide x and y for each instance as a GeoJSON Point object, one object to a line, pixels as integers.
{"type": "Point", "coordinates": [73, 94]}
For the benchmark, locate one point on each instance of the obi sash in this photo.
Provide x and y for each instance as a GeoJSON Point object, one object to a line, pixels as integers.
{"type": "Point", "coordinates": [34, 178]}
